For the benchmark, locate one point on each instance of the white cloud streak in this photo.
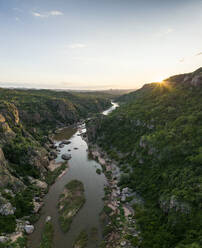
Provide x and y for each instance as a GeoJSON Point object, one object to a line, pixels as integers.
{"type": "Point", "coordinates": [165, 32]}
{"type": "Point", "coordinates": [190, 57]}
{"type": "Point", "coordinates": [47, 14]}
{"type": "Point", "coordinates": [76, 46]}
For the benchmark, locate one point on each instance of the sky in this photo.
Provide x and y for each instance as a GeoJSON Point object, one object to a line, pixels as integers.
{"type": "Point", "coordinates": [97, 44]}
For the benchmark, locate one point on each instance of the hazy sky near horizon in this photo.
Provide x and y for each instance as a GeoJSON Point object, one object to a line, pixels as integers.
{"type": "Point", "coordinates": [97, 44]}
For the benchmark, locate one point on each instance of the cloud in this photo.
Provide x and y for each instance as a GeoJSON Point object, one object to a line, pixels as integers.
{"type": "Point", "coordinates": [168, 31]}
{"type": "Point", "coordinates": [198, 54]}
{"type": "Point", "coordinates": [190, 57]}
{"type": "Point", "coordinates": [76, 45]}
{"type": "Point", "coordinates": [38, 14]}
{"type": "Point", "coordinates": [47, 14]}
{"type": "Point", "coordinates": [165, 32]}
{"type": "Point", "coordinates": [55, 13]}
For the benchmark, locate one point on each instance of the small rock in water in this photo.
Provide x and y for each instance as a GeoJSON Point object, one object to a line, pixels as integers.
{"type": "Point", "coordinates": [66, 156]}
{"type": "Point", "coordinates": [76, 148]}
{"type": "Point", "coordinates": [29, 229]}
{"type": "Point", "coordinates": [61, 145]}
{"type": "Point", "coordinates": [66, 142]}
{"type": "Point", "coordinates": [48, 219]}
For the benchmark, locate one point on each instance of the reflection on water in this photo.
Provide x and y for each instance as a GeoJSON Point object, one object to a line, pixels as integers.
{"type": "Point", "coordinates": [113, 107]}
{"type": "Point", "coordinates": [84, 169]}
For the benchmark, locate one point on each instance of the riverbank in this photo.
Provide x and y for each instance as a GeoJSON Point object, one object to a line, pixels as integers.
{"type": "Point", "coordinates": [117, 216]}
{"type": "Point", "coordinates": [82, 168]}
{"type": "Point", "coordinates": [56, 171]}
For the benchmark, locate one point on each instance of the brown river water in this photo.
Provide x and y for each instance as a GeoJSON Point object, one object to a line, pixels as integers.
{"type": "Point", "coordinates": [83, 168]}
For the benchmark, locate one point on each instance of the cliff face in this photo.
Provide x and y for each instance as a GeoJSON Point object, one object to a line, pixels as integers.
{"type": "Point", "coordinates": [189, 79]}
{"type": "Point", "coordinates": [9, 118]}
{"type": "Point", "coordinates": [56, 110]}
{"type": "Point", "coordinates": [11, 130]}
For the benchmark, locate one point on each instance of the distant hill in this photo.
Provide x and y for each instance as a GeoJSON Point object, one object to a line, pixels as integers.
{"type": "Point", "coordinates": [111, 92]}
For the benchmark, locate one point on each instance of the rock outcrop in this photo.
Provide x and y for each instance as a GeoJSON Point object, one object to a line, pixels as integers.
{"type": "Point", "coordinates": [5, 207]}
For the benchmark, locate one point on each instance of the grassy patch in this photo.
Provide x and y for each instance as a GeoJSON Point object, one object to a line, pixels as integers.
{"type": "Point", "coordinates": [47, 236]}
{"type": "Point", "coordinates": [70, 201]}
{"type": "Point", "coordinates": [82, 240]}
{"type": "Point", "coordinates": [94, 234]}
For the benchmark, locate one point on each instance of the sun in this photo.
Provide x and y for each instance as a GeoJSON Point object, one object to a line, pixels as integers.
{"type": "Point", "coordinates": [159, 79]}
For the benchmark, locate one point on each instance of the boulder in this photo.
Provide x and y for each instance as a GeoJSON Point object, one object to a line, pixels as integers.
{"type": "Point", "coordinates": [41, 184]}
{"type": "Point", "coordinates": [53, 154]}
{"type": "Point", "coordinates": [53, 146]}
{"type": "Point", "coordinates": [29, 229]}
{"type": "Point", "coordinates": [2, 118]}
{"type": "Point", "coordinates": [66, 156]}
{"type": "Point", "coordinates": [48, 219]}
{"type": "Point", "coordinates": [5, 207]}
{"type": "Point", "coordinates": [66, 142]}
{"type": "Point", "coordinates": [37, 206]}
{"type": "Point", "coordinates": [123, 243]}
{"type": "Point", "coordinates": [123, 198]}
{"type": "Point", "coordinates": [38, 183]}
{"type": "Point", "coordinates": [3, 239]}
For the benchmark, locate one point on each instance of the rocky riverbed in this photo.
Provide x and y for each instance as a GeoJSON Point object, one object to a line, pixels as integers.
{"type": "Point", "coordinates": [118, 216]}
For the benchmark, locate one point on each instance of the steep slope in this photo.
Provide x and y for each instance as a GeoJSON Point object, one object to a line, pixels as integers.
{"type": "Point", "coordinates": [156, 138]}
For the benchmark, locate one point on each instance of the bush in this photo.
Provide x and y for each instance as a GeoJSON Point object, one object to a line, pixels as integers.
{"type": "Point", "coordinates": [7, 224]}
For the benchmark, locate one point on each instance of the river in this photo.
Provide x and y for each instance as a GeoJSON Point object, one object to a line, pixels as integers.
{"type": "Point", "coordinates": [109, 110]}
{"type": "Point", "coordinates": [83, 168]}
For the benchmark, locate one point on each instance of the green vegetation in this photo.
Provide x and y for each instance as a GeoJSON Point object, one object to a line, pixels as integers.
{"type": "Point", "coordinates": [27, 117]}
{"type": "Point", "coordinates": [44, 109]}
{"type": "Point", "coordinates": [18, 152]}
{"type": "Point", "coordinates": [19, 243]}
{"type": "Point", "coordinates": [23, 203]}
{"type": "Point", "coordinates": [156, 138]}
{"type": "Point", "coordinates": [94, 234]}
{"type": "Point", "coordinates": [51, 176]}
{"type": "Point", "coordinates": [82, 240]}
{"type": "Point", "coordinates": [98, 171]}
{"type": "Point", "coordinates": [7, 223]}
{"type": "Point", "coordinates": [47, 236]}
{"type": "Point", "coordinates": [70, 202]}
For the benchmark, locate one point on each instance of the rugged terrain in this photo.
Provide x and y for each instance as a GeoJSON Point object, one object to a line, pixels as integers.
{"type": "Point", "coordinates": [155, 138]}
{"type": "Point", "coordinates": [27, 118]}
